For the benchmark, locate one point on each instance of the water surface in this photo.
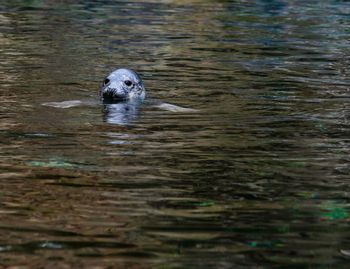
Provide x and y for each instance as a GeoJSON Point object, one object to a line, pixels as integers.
{"type": "Point", "coordinates": [258, 178]}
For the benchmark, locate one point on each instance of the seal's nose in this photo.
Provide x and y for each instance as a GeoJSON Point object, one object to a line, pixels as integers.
{"type": "Point", "coordinates": [107, 95]}
{"type": "Point", "coordinates": [113, 95]}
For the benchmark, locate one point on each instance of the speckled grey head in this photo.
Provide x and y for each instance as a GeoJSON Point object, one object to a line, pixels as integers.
{"type": "Point", "coordinates": [122, 85]}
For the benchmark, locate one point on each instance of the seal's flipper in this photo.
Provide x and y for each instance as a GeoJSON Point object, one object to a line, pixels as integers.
{"type": "Point", "coordinates": [64, 104]}
{"type": "Point", "coordinates": [175, 108]}
{"type": "Point", "coordinates": [71, 103]}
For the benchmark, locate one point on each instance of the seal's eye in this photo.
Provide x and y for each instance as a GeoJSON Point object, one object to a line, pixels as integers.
{"type": "Point", "coordinates": [106, 81]}
{"type": "Point", "coordinates": [128, 83]}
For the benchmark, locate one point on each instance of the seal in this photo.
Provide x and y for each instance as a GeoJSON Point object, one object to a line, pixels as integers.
{"type": "Point", "coordinates": [122, 85]}
{"type": "Point", "coordinates": [122, 93]}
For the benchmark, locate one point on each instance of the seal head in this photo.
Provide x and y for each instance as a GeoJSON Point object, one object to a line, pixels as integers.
{"type": "Point", "coordinates": [122, 85]}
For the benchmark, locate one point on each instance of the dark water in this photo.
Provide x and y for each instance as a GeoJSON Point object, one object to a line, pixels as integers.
{"type": "Point", "coordinates": [258, 178]}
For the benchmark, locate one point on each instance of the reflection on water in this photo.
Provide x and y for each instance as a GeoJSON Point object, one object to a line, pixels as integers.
{"type": "Point", "coordinates": [258, 178]}
{"type": "Point", "coordinates": [121, 113]}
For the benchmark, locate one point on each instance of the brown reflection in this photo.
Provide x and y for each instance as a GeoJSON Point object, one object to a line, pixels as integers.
{"type": "Point", "coordinates": [240, 183]}
{"type": "Point", "coordinates": [65, 215]}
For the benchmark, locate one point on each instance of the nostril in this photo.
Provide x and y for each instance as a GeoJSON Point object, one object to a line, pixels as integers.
{"type": "Point", "coordinates": [108, 94]}
{"type": "Point", "coordinates": [113, 95]}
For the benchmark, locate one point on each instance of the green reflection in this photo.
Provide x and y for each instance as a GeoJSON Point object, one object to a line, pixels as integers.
{"type": "Point", "coordinates": [336, 212]}
{"type": "Point", "coordinates": [52, 163]}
